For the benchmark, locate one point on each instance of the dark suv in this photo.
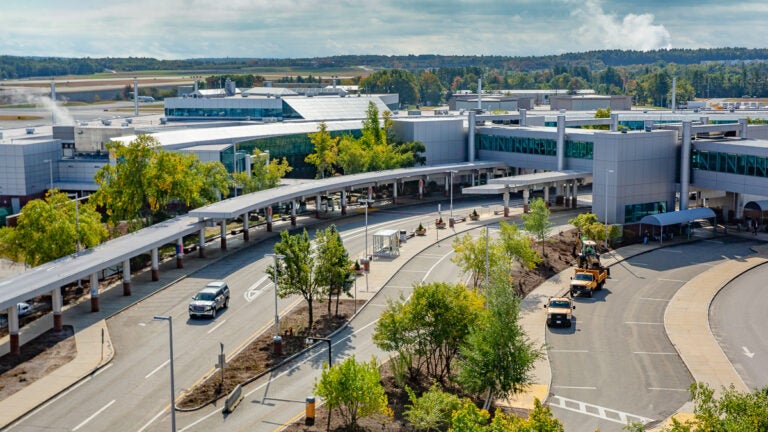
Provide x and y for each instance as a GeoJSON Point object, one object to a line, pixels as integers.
{"type": "Point", "coordinates": [209, 300]}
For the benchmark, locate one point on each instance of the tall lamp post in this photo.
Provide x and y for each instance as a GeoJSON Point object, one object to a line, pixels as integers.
{"type": "Point", "coordinates": [311, 340]}
{"type": "Point", "coordinates": [173, 392]}
{"type": "Point", "coordinates": [610, 171]}
{"type": "Point", "coordinates": [50, 172]}
{"type": "Point", "coordinates": [451, 186]}
{"type": "Point", "coordinates": [366, 201]}
{"type": "Point", "coordinates": [277, 340]}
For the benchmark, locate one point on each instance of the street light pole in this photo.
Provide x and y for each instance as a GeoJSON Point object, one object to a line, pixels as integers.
{"type": "Point", "coordinates": [173, 392]}
{"type": "Point", "coordinates": [366, 202]}
{"type": "Point", "coordinates": [277, 340]}
{"type": "Point", "coordinates": [486, 256]}
{"type": "Point", "coordinates": [610, 171]}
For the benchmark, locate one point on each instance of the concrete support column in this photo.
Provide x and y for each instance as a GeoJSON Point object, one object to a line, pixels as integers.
{"type": "Point", "coordinates": [739, 211]}
{"type": "Point", "coordinates": [343, 203]}
{"type": "Point", "coordinates": [127, 277]}
{"type": "Point", "coordinates": [95, 292]}
{"type": "Point", "coordinates": [180, 253]}
{"type": "Point", "coordinates": [614, 122]}
{"type": "Point", "coordinates": [685, 166]}
{"type": "Point", "coordinates": [526, 197]}
{"type": "Point", "coordinates": [473, 178]}
{"type": "Point", "coordinates": [743, 132]}
{"type": "Point", "coordinates": [448, 185]}
{"type": "Point", "coordinates": [546, 194]}
{"type": "Point", "coordinates": [488, 176]}
{"type": "Point", "coordinates": [269, 219]}
{"type": "Point", "coordinates": [223, 234]}
{"type": "Point", "coordinates": [421, 188]}
{"type": "Point", "coordinates": [575, 198]}
{"type": "Point", "coordinates": [560, 142]}
{"type": "Point", "coordinates": [201, 243]}
{"type": "Point", "coordinates": [246, 226]}
{"type": "Point", "coordinates": [505, 197]}
{"type": "Point", "coordinates": [394, 192]}
{"type": "Point", "coordinates": [523, 117]}
{"type": "Point", "coordinates": [57, 304]}
{"type": "Point", "coordinates": [318, 205]}
{"type": "Point", "coordinates": [13, 330]}
{"type": "Point", "coordinates": [293, 212]}
{"type": "Point", "coordinates": [155, 266]}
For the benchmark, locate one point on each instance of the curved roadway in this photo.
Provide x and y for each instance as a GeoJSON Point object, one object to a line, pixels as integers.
{"type": "Point", "coordinates": [616, 365]}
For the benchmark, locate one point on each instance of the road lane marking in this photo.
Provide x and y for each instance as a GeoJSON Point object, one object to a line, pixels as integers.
{"type": "Point", "coordinates": [643, 323]}
{"type": "Point", "coordinates": [669, 250]}
{"type": "Point", "coordinates": [654, 299]}
{"type": "Point", "coordinates": [747, 352]}
{"type": "Point", "coordinates": [668, 389]}
{"type": "Point", "coordinates": [61, 395]}
{"type": "Point", "coordinates": [412, 271]}
{"type": "Point", "coordinates": [216, 326]}
{"type": "Point", "coordinates": [597, 411]}
{"type": "Point", "coordinates": [640, 264]}
{"type": "Point", "coordinates": [672, 280]}
{"type": "Point", "coordinates": [435, 265]}
{"type": "Point", "coordinates": [93, 416]}
{"type": "Point", "coordinates": [256, 289]}
{"type": "Point", "coordinates": [143, 428]}
{"type": "Point", "coordinates": [654, 353]}
{"type": "Point", "coordinates": [157, 369]}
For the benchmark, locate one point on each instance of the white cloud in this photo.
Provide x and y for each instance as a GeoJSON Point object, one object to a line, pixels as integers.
{"type": "Point", "coordinates": [598, 29]}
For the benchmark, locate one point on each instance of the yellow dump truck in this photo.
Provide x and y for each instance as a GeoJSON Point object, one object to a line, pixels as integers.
{"type": "Point", "coordinates": [559, 311]}
{"type": "Point", "coordinates": [585, 281]}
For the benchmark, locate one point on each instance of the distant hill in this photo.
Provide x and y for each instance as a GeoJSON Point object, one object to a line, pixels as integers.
{"type": "Point", "coordinates": [25, 67]}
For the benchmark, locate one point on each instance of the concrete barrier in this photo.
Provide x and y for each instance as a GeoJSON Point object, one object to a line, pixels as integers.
{"type": "Point", "coordinates": [233, 399]}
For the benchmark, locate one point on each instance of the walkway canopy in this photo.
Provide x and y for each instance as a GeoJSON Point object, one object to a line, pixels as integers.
{"type": "Point", "coordinates": [756, 210]}
{"type": "Point", "coordinates": [678, 217]}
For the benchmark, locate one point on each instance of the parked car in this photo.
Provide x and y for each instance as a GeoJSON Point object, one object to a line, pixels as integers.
{"type": "Point", "coordinates": [209, 300]}
{"type": "Point", "coordinates": [23, 308]}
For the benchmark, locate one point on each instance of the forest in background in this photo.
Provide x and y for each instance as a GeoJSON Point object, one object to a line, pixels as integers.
{"type": "Point", "coordinates": [430, 79]}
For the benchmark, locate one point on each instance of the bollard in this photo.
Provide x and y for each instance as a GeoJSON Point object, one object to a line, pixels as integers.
{"type": "Point", "coordinates": [309, 418]}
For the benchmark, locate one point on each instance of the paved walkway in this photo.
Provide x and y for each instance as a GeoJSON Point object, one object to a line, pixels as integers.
{"type": "Point", "coordinates": [686, 319]}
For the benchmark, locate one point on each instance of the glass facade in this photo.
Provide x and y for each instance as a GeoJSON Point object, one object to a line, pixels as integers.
{"type": "Point", "coordinates": [634, 212]}
{"type": "Point", "coordinates": [730, 163]}
{"type": "Point", "coordinates": [294, 148]}
{"type": "Point", "coordinates": [534, 146]}
{"type": "Point", "coordinates": [234, 113]}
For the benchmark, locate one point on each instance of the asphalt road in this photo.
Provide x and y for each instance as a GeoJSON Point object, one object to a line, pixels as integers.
{"type": "Point", "coordinates": [132, 392]}
{"type": "Point", "coordinates": [738, 321]}
{"type": "Point", "coordinates": [616, 365]}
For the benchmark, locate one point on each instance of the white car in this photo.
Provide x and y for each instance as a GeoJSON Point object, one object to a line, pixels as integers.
{"type": "Point", "coordinates": [23, 308]}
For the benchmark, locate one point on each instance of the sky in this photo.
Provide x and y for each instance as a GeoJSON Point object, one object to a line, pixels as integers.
{"type": "Point", "coordinates": [179, 29]}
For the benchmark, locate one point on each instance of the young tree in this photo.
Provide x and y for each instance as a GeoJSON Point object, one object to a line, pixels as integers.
{"type": "Point", "coordinates": [537, 222]}
{"type": "Point", "coordinates": [326, 151]}
{"type": "Point", "coordinates": [498, 358]}
{"type": "Point", "coordinates": [333, 264]}
{"type": "Point", "coordinates": [429, 327]}
{"type": "Point", "coordinates": [517, 246]}
{"type": "Point", "coordinates": [431, 411]}
{"type": "Point", "coordinates": [296, 273]}
{"type": "Point", "coordinates": [51, 228]}
{"type": "Point", "coordinates": [354, 389]}
{"type": "Point", "coordinates": [470, 255]}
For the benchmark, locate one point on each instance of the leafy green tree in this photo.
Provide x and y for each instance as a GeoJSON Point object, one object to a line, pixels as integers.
{"type": "Point", "coordinates": [264, 175]}
{"type": "Point", "coordinates": [333, 264]}
{"type": "Point", "coordinates": [583, 220]}
{"type": "Point", "coordinates": [353, 158]}
{"type": "Point", "coordinates": [537, 222]}
{"type": "Point", "coordinates": [470, 255]}
{"type": "Point", "coordinates": [732, 411]}
{"type": "Point", "coordinates": [432, 410]}
{"type": "Point", "coordinates": [498, 358]}
{"type": "Point", "coordinates": [517, 246]}
{"type": "Point", "coordinates": [51, 228]}
{"type": "Point", "coordinates": [354, 389]}
{"type": "Point", "coordinates": [144, 179]}
{"type": "Point", "coordinates": [428, 328]}
{"type": "Point", "coordinates": [430, 88]}
{"type": "Point", "coordinates": [296, 273]}
{"type": "Point", "coordinates": [326, 151]}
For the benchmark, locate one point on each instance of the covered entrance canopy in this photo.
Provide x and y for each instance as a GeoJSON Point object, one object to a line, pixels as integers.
{"type": "Point", "coordinates": [756, 210]}
{"type": "Point", "coordinates": [680, 217]}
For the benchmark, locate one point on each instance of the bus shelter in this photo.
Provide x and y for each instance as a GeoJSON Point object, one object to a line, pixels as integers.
{"type": "Point", "coordinates": [386, 243]}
